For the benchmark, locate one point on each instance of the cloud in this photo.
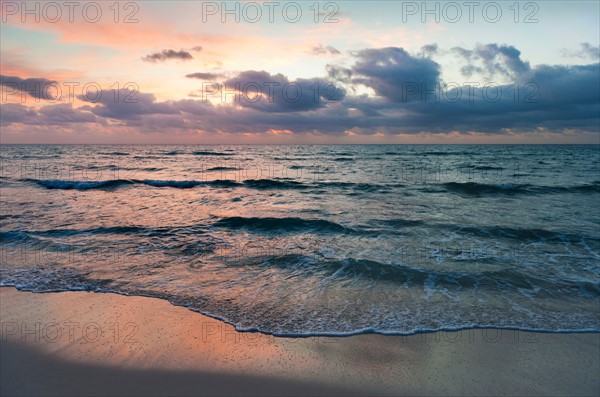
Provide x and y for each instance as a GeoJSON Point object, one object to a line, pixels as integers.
{"type": "Point", "coordinates": [38, 88]}
{"type": "Point", "coordinates": [555, 98]}
{"type": "Point", "coordinates": [391, 72]}
{"type": "Point", "coordinates": [127, 105]}
{"type": "Point", "coordinates": [430, 49]}
{"type": "Point", "coordinates": [203, 76]}
{"type": "Point", "coordinates": [16, 113]}
{"type": "Point", "coordinates": [586, 51]}
{"type": "Point", "coordinates": [493, 61]}
{"type": "Point", "coordinates": [168, 54]}
{"type": "Point", "coordinates": [58, 114]}
{"type": "Point", "coordinates": [197, 48]}
{"type": "Point", "coordinates": [339, 73]}
{"type": "Point", "coordinates": [321, 50]}
{"type": "Point", "coordinates": [551, 98]}
{"type": "Point", "coordinates": [275, 93]}
{"type": "Point", "coordinates": [65, 113]}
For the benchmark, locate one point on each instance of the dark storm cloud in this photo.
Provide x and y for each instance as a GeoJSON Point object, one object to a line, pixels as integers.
{"type": "Point", "coordinates": [389, 71]}
{"type": "Point", "coordinates": [168, 54]}
{"type": "Point", "coordinates": [568, 85]}
{"type": "Point", "coordinates": [553, 97]}
{"type": "Point", "coordinates": [275, 93]}
{"type": "Point", "coordinates": [322, 50]}
{"type": "Point", "coordinates": [203, 76]}
{"type": "Point", "coordinates": [39, 88]}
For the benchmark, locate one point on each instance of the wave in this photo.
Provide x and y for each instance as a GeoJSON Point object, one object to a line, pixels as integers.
{"type": "Point", "coordinates": [259, 184]}
{"type": "Point", "coordinates": [483, 189]}
{"type": "Point", "coordinates": [114, 153]}
{"type": "Point", "coordinates": [175, 241]}
{"type": "Point", "coordinates": [32, 157]}
{"type": "Point", "coordinates": [480, 189]}
{"type": "Point", "coordinates": [174, 184]}
{"type": "Point", "coordinates": [225, 183]}
{"type": "Point", "coordinates": [290, 225]}
{"type": "Point", "coordinates": [593, 187]}
{"type": "Point", "coordinates": [190, 184]}
{"type": "Point", "coordinates": [337, 272]}
{"type": "Point", "coordinates": [483, 167]}
{"type": "Point", "coordinates": [78, 185]}
{"type": "Point", "coordinates": [361, 187]}
{"type": "Point", "coordinates": [116, 167]}
{"type": "Point", "coordinates": [19, 236]}
{"type": "Point", "coordinates": [22, 236]}
{"type": "Point", "coordinates": [350, 268]}
{"type": "Point", "coordinates": [471, 189]}
{"type": "Point", "coordinates": [52, 279]}
{"type": "Point", "coordinates": [266, 184]}
{"type": "Point", "coordinates": [243, 322]}
{"type": "Point", "coordinates": [436, 153]}
{"type": "Point", "coordinates": [286, 158]}
{"type": "Point", "coordinates": [210, 153]}
{"type": "Point", "coordinates": [114, 183]}
{"type": "Point", "coordinates": [223, 169]}
{"type": "Point", "coordinates": [98, 167]}
{"type": "Point", "coordinates": [523, 234]}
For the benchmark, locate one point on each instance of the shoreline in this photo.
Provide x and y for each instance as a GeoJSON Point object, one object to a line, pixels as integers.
{"type": "Point", "coordinates": [86, 343]}
{"type": "Point", "coordinates": [317, 334]}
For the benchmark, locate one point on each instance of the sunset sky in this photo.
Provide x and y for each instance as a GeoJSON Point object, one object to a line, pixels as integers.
{"type": "Point", "coordinates": [344, 72]}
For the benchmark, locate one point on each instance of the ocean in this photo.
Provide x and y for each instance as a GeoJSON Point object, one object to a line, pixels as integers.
{"type": "Point", "coordinates": [314, 239]}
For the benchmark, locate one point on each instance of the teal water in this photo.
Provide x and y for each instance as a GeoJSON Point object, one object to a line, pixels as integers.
{"type": "Point", "coordinates": [302, 240]}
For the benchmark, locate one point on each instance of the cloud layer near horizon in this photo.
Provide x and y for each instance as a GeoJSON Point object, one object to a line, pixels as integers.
{"type": "Point", "coordinates": [384, 91]}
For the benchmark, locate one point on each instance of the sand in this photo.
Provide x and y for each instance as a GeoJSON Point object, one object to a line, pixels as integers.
{"type": "Point", "coordinates": [82, 343]}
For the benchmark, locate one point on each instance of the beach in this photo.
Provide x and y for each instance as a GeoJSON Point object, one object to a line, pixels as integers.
{"type": "Point", "coordinates": [84, 343]}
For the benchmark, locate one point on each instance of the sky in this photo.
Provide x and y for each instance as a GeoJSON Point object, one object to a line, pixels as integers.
{"type": "Point", "coordinates": [302, 72]}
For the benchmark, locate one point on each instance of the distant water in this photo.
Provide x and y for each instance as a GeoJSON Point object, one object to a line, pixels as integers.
{"type": "Point", "coordinates": [300, 240]}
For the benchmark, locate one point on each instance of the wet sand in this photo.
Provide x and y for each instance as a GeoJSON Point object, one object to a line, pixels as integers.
{"type": "Point", "coordinates": [81, 343]}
